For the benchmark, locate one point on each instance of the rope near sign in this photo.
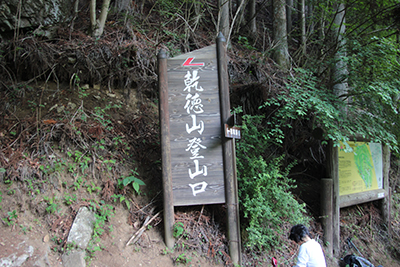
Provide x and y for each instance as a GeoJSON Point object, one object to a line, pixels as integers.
{"type": "Point", "coordinates": [197, 157]}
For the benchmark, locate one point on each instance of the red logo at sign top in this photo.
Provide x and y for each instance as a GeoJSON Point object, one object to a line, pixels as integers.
{"type": "Point", "coordinates": [188, 63]}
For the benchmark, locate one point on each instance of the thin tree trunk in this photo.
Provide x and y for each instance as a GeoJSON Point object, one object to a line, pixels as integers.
{"type": "Point", "coordinates": [241, 17]}
{"type": "Point", "coordinates": [322, 25]}
{"type": "Point", "coordinates": [281, 54]}
{"type": "Point", "coordinates": [93, 22]}
{"type": "Point", "coordinates": [310, 18]}
{"type": "Point", "coordinates": [340, 67]}
{"type": "Point", "coordinates": [252, 17]}
{"type": "Point", "coordinates": [102, 19]}
{"type": "Point", "coordinates": [224, 17]}
{"type": "Point", "coordinates": [302, 10]}
{"type": "Point", "coordinates": [289, 7]}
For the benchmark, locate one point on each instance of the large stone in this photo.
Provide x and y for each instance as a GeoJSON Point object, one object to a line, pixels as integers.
{"type": "Point", "coordinates": [79, 235]}
{"type": "Point", "coordinates": [82, 228]}
{"type": "Point", "coordinates": [16, 260]}
{"type": "Point", "coordinates": [33, 13]}
{"type": "Point", "coordinates": [75, 258]}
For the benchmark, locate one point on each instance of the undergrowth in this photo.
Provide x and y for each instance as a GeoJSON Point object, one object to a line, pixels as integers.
{"type": "Point", "coordinates": [78, 156]}
{"type": "Point", "coordinates": [264, 189]}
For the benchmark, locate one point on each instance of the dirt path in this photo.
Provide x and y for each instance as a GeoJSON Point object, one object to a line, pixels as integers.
{"type": "Point", "coordinates": [29, 241]}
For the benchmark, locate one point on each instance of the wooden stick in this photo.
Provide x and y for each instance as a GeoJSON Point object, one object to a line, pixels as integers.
{"type": "Point", "coordinates": [141, 230]}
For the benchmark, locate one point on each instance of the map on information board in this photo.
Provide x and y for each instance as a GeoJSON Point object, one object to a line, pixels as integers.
{"type": "Point", "coordinates": [360, 167]}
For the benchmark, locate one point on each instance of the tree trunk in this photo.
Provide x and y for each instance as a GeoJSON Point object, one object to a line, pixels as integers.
{"type": "Point", "coordinates": [241, 17]}
{"type": "Point", "coordinates": [289, 7]}
{"type": "Point", "coordinates": [302, 17]}
{"type": "Point", "coordinates": [281, 54]}
{"type": "Point", "coordinates": [310, 15]}
{"type": "Point", "coordinates": [252, 17]}
{"type": "Point", "coordinates": [340, 67]}
{"type": "Point", "coordinates": [224, 17]}
{"type": "Point", "coordinates": [93, 22]}
{"type": "Point", "coordinates": [102, 19]}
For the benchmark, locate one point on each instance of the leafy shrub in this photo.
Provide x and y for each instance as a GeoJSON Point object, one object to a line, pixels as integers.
{"type": "Point", "coordinates": [264, 188]}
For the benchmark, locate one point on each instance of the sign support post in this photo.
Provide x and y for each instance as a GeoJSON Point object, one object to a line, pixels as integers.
{"type": "Point", "coordinates": [228, 146]}
{"type": "Point", "coordinates": [386, 202]}
{"type": "Point", "coordinates": [333, 221]}
{"type": "Point", "coordinates": [166, 150]}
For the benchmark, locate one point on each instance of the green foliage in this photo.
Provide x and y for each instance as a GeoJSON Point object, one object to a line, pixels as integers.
{"type": "Point", "coordinates": [103, 212]}
{"type": "Point", "coordinates": [178, 229]}
{"type": "Point", "coordinates": [77, 183]}
{"type": "Point", "coordinates": [178, 232]}
{"type": "Point", "coordinates": [183, 258]}
{"type": "Point", "coordinates": [52, 204]}
{"type": "Point", "coordinates": [245, 42]}
{"type": "Point", "coordinates": [93, 188]}
{"type": "Point", "coordinates": [264, 188]}
{"type": "Point", "coordinates": [374, 77]}
{"type": "Point", "coordinates": [172, 7]}
{"type": "Point", "coordinates": [101, 116]}
{"type": "Point", "coordinates": [23, 228]}
{"type": "Point", "coordinates": [122, 199]}
{"type": "Point", "coordinates": [11, 218]}
{"type": "Point", "coordinates": [133, 180]}
{"type": "Point", "coordinates": [305, 99]}
{"type": "Point", "coordinates": [76, 81]}
{"type": "Point", "coordinates": [68, 199]}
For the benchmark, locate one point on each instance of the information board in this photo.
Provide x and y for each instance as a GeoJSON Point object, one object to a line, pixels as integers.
{"type": "Point", "coordinates": [360, 167]}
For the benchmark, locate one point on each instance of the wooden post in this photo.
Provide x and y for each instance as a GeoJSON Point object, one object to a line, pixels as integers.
{"type": "Point", "coordinates": [228, 157]}
{"type": "Point", "coordinates": [333, 169]}
{"type": "Point", "coordinates": [327, 212]}
{"type": "Point", "coordinates": [166, 149]}
{"type": "Point", "coordinates": [386, 201]}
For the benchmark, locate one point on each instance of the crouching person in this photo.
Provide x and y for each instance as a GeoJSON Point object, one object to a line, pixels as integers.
{"type": "Point", "coordinates": [310, 252]}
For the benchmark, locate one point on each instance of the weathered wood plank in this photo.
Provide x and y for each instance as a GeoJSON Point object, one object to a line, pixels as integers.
{"type": "Point", "coordinates": [195, 128]}
{"type": "Point", "coordinates": [354, 199]}
{"type": "Point", "coordinates": [327, 212]}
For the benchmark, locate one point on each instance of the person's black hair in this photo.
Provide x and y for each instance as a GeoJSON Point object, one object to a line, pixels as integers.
{"type": "Point", "coordinates": [298, 232]}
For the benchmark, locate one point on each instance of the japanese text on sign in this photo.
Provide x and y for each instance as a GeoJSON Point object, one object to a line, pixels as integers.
{"type": "Point", "coordinates": [193, 106]}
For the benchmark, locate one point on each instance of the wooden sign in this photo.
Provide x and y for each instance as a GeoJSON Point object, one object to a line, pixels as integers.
{"type": "Point", "coordinates": [198, 161]}
{"type": "Point", "coordinates": [195, 128]}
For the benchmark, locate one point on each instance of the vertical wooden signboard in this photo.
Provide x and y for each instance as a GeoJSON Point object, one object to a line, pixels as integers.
{"type": "Point", "coordinates": [193, 152]}
{"type": "Point", "coordinates": [195, 128]}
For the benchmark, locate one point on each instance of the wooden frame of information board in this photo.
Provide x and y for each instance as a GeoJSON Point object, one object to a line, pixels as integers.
{"type": "Point", "coordinates": [341, 169]}
{"type": "Point", "coordinates": [198, 159]}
